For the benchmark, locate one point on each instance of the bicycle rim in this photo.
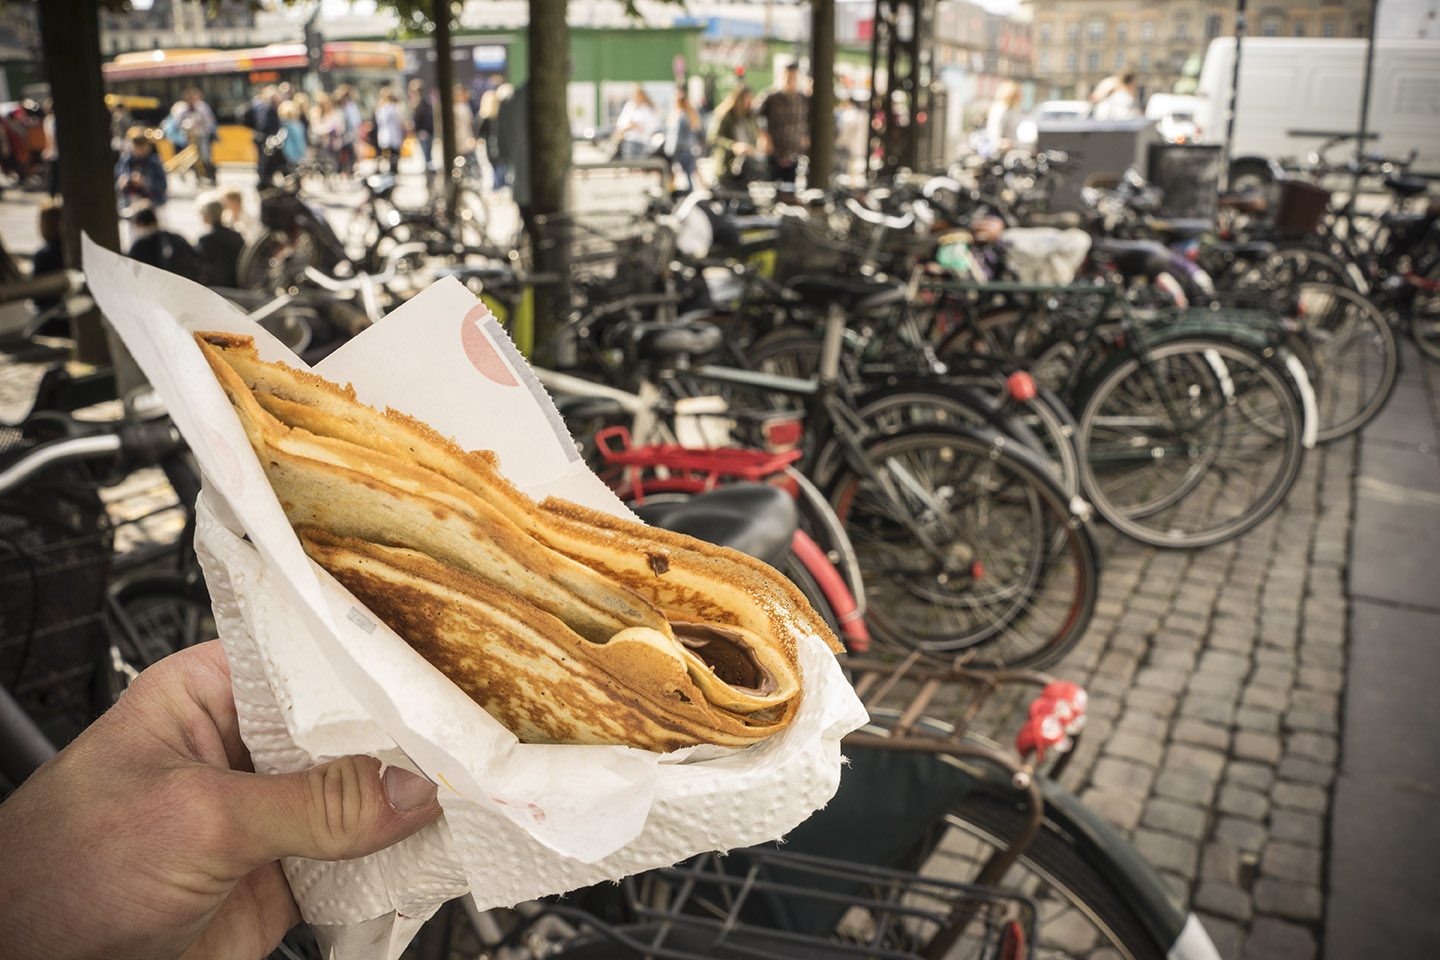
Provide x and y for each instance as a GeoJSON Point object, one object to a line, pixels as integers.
{"type": "Point", "coordinates": [1355, 354]}
{"type": "Point", "coordinates": [1192, 446]}
{"type": "Point", "coordinates": [961, 542]}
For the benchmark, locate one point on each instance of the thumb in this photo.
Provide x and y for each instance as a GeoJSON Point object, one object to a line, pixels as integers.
{"type": "Point", "coordinates": [337, 811]}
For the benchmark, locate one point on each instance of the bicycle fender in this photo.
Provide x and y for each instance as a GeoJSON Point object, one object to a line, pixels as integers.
{"type": "Point", "coordinates": [1308, 404]}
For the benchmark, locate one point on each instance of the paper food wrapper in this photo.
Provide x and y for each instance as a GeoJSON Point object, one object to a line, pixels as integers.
{"type": "Point", "coordinates": [316, 676]}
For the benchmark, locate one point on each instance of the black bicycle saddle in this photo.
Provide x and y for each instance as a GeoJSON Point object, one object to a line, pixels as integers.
{"type": "Point", "coordinates": [754, 518]}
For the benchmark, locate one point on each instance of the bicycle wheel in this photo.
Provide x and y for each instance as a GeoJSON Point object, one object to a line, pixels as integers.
{"type": "Point", "coordinates": [1425, 312]}
{"type": "Point", "coordinates": [964, 541]}
{"type": "Point", "coordinates": [1193, 444]}
{"type": "Point", "coordinates": [1356, 356]}
{"type": "Point", "coordinates": [276, 259]}
{"type": "Point", "coordinates": [154, 616]}
{"type": "Point", "coordinates": [1082, 912]}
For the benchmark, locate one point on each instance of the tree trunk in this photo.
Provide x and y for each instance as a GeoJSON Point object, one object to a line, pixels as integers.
{"type": "Point", "coordinates": [822, 101]}
{"type": "Point", "coordinates": [445, 83]}
{"type": "Point", "coordinates": [70, 39]}
{"type": "Point", "coordinates": [549, 37]}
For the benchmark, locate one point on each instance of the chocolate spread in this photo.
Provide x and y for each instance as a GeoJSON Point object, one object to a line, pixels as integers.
{"type": "Point", "coordinates": [727, 654]}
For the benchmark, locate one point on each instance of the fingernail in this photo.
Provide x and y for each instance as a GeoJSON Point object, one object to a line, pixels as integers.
{"type": "Point", "coordinates": [405, 790]}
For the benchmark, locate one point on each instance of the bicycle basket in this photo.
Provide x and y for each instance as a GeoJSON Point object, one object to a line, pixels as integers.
{"type": "Point", "coordinates": [280, 209]}
{"type": "Point", "coordinates": [808, 246]}
{"type": "Point", "coordinates": [1301, 206]}
{"type": "Point", "coordinates": [611, 255]}
{"type": "Point", "coordinates": [764, 905]}
{"type": "Point", "coordinates": [55, 542]}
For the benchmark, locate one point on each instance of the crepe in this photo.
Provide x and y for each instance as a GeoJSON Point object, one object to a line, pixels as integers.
{"type": "Point", "coordinates": [565, 624]}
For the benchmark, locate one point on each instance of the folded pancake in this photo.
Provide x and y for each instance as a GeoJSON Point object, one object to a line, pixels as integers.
{"type": "Point", "coordinates": [671, 640]}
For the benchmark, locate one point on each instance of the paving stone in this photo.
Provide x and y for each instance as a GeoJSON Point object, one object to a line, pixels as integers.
{"type": "Point", "coordinates": [1294, 862]}
{"type": "Point", "coordinates": [1106, 684]}
{"type": "Point", "coordinates": [1151, 701]}
{"type": "Point", "coordinates": [1235, 643]}
{"type": "Point", "coordinates": [1172, 659]}
{"type": "Point", "coordinates": [1141, 748]}
{"type": "Point", "coordinates": [1166, 851]}
{"type": "Point", "coordinates": [1145, 724]}
{"type": "Point", "coordinates": [1277, 678]}
{"type": "Point", "coordinates": [1226, 664]}
{"type": "Point", "coordinates": [1173, 816]}
{"type": "Point", "coordinates": [1242, 802]}
{"type": "Point", "coordinates": [1329, 679]}
{"type": "Point", "coordinates": [1315, 701]}
{"type": "Point", "coordinates": [1258, 719]}
{"type": "Point", "coordinates": [1223, 899]}
{"type": "Point", "coordinates": [1214, 685]}
{"type": "Point", "coordinates": [1300, 796]}
{"type": "Point", "coordinates": [1185, 785]}
{"type": "Point", "coordinates": [1192, 759]}
{"type": "Point", "coordinates": [1201, 707]}
{"type": "Point", "coordinates": [1270, 657]}
{"type": "Point", "coordinates": [1119, 774]}
{"type": "Point", "coordinates": [1321, 655]}
{"type": "Point", "coordinates": [1118, 663]}
{"type": "Point", "coordinates": [1250, 775]}
{"type": "Point", "coordinates": [1315, 722]}
{"type": "Point", "coordinates": [1306, 771]}
{"type": "Point", "coordinates": [1293, 826]}
{"type": "Point", "coordinates": [1252, 745]}
{"type": "Point", "coordinates": [1294, 901]}
{"type": "Point", "coordinates": [1264, 698]}
{"type": "Point", "coordinates": [1220, 860]}
{"type": "Point", "coordinates": [1247, 835]}
{"type": "Point", "coordinates": [1312, 746]}
{"type": "Point", "coordinates": [1148, 602]}
{"type": "Point", "coordinates": [1139, 621]}
{"type": "Point", "coordinates": [1118, 807]}
{"type": "Point", "coordinates": [1159, 678]}
{"type": "Point", "coordinates": [1130, 642]}
{"type": "Point", "coordinates": [1184, 623]}
{"type": "Point", "coordinates": [1227, 935]}
{"type": "Point", "coordinates": [1227, 626]}
{"type": "Point", "coordinates": [1276, 939]}
{"type": "Point", "coordinates": [1201, 734]}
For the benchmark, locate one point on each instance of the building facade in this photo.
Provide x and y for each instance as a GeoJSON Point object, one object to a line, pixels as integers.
{"type": "Point", "coordinates": [988, 49]}
{"type": "Point", "coordinates": [1078, 43]}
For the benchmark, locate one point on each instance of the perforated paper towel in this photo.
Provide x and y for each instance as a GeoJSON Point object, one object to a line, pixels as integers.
{"type": "Point", "coordinates": [316, 676]}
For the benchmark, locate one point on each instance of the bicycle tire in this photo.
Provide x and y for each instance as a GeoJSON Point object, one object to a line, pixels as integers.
{"type": "Point", "coordinates": [273, 260]}
{"type": "Point", "coordinates": [1061, 877]}
{"type": "Point", "coordinates": [154, 615]}
{"type": "Point", "coordinates": [979, 533]}
{"type": "Point", "coordinates": [1425, 313]}
{"type": "Point", "coordinates": [1226, 391]}
{"type": "Point", "coordinates": [1356, 356]}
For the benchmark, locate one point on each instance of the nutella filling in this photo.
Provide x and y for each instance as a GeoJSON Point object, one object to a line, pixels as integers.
{"type": "Point", "coordinates": [727, 655]}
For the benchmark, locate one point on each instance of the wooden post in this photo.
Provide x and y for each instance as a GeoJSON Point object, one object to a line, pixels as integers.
{"type": "Point", "coordinates": [549, 37]}
{"type": "Point", "coordinates": [822, 101]}
{"type": "Point", "coordinates": [70, 39]}
{"type": "Point", "coordinates": [445, 84]}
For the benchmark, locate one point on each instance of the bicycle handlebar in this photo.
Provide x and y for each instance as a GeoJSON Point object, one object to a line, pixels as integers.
{"type": "Point", "coordinates": [130, 442]}
{"type": "Point", "coordinates": [860, 211]}
{"type": "Point", "coordinates": [62, 283]}
{"type": "Point", "coordinates": [363, 280]}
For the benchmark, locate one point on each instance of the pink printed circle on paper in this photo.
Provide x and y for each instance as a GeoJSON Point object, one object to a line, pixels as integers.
{"type": "Point", "coordinates": [481, 352]}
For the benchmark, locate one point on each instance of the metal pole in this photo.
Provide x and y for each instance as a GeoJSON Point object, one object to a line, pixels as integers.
{"type": "Point", "coordinates": [822, 99]}
{"type": "Point", "coordinates": [1365, 101]}
{"type": "Point", "coordinates": [1234, 93]}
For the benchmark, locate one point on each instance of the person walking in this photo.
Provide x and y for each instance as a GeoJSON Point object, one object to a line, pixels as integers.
{"type": "Point", "coordinates": [1114, 98]}
{"type": "Point", "coordinates": [198, 124]}
{"type": "Point", "coordinates": [637, 124]}
{"type": "Point", "coordinates": [784, 115]}
{"type": "Point", "coordinates": [683, 136]}
{"type": "Point", "coordinates": [263, 118]}
{"type": "Point", "coordinates": [422, 120]}
{"type": "Point", "coordinates": [1002, 122]}
{"type": "Point", "coordinates": [732, 141]}
{"type": "Point", "coordinates": [139, 174]}
{"type": "Point", "coordinates": [350, 123]}
{"type": "Point", "coordinates": [327, 128]}
{"type": "Point", "coordinates": [389, 130]}
{"type": "Point", "coordinates": [464, 123]}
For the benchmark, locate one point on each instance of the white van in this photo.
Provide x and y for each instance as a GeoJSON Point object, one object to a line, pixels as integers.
{"type": "Point", "coordinates": [1294, 92]}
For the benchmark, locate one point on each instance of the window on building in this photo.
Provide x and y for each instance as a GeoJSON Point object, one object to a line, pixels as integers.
{"type": "Point", "coordinates": [1299, 28]}
{"type": "Point", "coordinates": [1122, 32]}
{"type": "Point", "coordinates": [1096, 31]}
{"type": "Point", "coordinates": [1147, 31]}
{"type": "Point", "coordinates": [1072, 31]}
{"type": "Point", "coordinates": [1092, 61]}
{"type": "Point", "coordinates": [1212, 26]}
{"type": "Point", "coordinates": [1044, 33]}
{"type": "Point", "coordinates": [1119, 60]}
{"type": "Point", "coordinates": [1045, 61]}
{"type": "Point", "coordinates": [1182, 29]}
{"type": "Point", "coordinates": [1070, 61]}
{"type": "Point", "coordinates": [1270, 27]}
{"type": "Point", "coordinates": [1329, 29]}
{"type": "Point", "coordinates": [1144, 59]}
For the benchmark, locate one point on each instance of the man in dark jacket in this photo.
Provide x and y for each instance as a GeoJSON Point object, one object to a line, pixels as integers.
{"type": "Point", "coordinates": [139, 174]}
{"type": "Point", "coordinates": [422, 119]}
{"type": "Point", "coordinates": [163, 249]}
{"type": "Point", "coordinates": [219, 247]}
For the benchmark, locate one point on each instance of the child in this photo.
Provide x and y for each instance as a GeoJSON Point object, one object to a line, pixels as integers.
{"type": "Point", "coordinates": [220, 246]}
{"type": "Point", "coordinates": [233, 214]}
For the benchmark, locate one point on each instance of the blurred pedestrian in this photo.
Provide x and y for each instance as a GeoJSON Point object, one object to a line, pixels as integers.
{"type": "Point", "coordinates": [327, 128]}
{"type": "Point", "coordinates": [233, 213]}
{"type": "Point", "coordinates": [51, 153]}
{"type": "Point", "coordinates": [684, 135]}
{"type": "Point", "coordinates": [163, 249]}
{"type": "Point", "coordinates": [512, 129]}
{"type": "Point", "coordinates": [422, 120]}
{"type": "Point", "coordinates": [139, 174]}
{"type": "Point", "coordinates": [263, 119]}
{"type": "Point", "coordinates": [295, 145]}
{"type": "Point", "coordinates": [852, 137]}
{"type": "Point", "coordinates": [197, 122]}
{"type": "Point", "coordinates": [784, 116]}
{"type": "Point", "coordinates": [220, 246]}
{"type": "Point", "coordinates": [637, 125]}
{"type": "Point", "coordinates": [389, 130]}
{"type": "Point", "coordinates": [1002, 123]}
{"type": "Point", "coordinates": [732, 141]}
{"type": "Point", "coordinates": [486, 129]}
{"type": "Point", "coordinates": [1114, 98]}
{"type": "Point", "coordinates": [50, 258]}
{"type": "Point", "coordinates": [350, 127]}
{"type": "Point", "coordinates": [464, 122]}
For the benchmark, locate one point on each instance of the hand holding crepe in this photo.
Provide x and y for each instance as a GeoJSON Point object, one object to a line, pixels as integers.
{"type": "Point", "coordinates": [565, 624]}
